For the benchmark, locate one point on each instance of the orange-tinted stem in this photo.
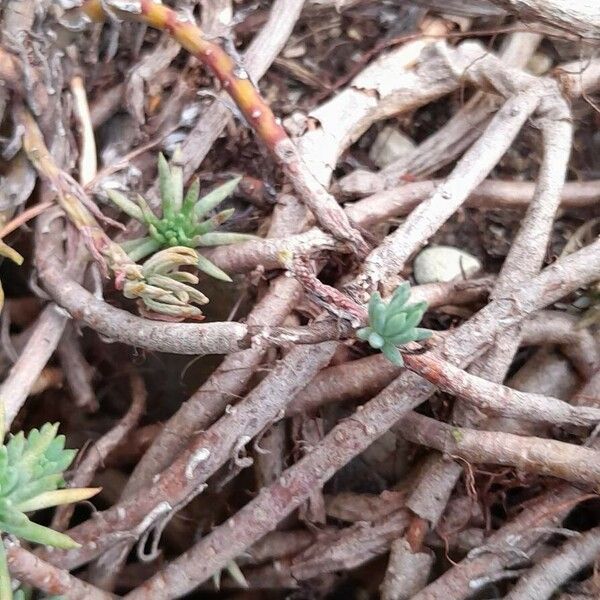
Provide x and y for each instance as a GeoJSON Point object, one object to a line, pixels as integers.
{"type": "Point", "coordinates": [233, 77]}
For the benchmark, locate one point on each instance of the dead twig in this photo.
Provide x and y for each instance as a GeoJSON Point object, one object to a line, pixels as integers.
{"type": "Point", "coordinates": [451, 140]}
{"type": "Point", "coordinates": [541, 582]}
{"type": "Point", "coordinates": [78, 372]}
{"type": "Point", "coordinates": [87, 154]}
{"type": "Point", "coordinates": [498, 399]}
{"type": "Point", "coordinates": [490, 194]}
{"type": "Point", "coordinates": [30, 569]}
{"type": "Point", "coordinates": [524, 259]}
{"type": "Point", "coordinates": [407, 571]}
{"type": "Point", "coordinates": [534, 455]}
{"type": "Point", "coordinates": [583, 18]}
{"type": "Point", "coordinates": [207, 452]}
{"type": "Point", "coordinates": [208, 403]}
{"type": "Point", "coordinates": [97, 453]}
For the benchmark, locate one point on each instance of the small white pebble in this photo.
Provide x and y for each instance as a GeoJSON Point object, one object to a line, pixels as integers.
{"type": "Point", "coordinates": [444, 263]}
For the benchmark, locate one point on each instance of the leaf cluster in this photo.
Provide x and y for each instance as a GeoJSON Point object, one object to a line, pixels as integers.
{"type": "Point", "coordinates": [185, 219]}
{"type": "Point", "coordinates": [164, 290]}
{"type": "Point", "coordinates": [31, 473]}
{"type": "Point", "coordinates": [394, 324]}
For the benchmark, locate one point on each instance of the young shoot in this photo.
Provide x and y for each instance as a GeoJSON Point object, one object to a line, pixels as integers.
{"type": "Point", "coordinates": [31, 478]}
{"type": "Point", "coordinates": [394, 324]}
{"type": "Point", "coordinates": [185, 220]}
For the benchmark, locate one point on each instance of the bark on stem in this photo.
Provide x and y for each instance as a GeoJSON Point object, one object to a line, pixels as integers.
{"type": "Point", "coordinates": [542, 581]}
{"type": "Point", "coordinates": [28, 568]}
{"type": "Point", "coordinates": [98, 451]}
{"type": "Point", "coordinates": [523, 261]}
{"type": "Point", "coordinates": [389, 257]}
{"type": "Point", "coordinates": [498, 399]}
{"type": "Point", "coordinates": [490, 194]}
{"type": "Point", "coordinates": [348, 439]}
{"type": "Point", "coordinates": [223, 387]}
{"type": "Point", "coordinates": [534, 455]}
{"type": "Point", "coordinates": [206, 453]}
{"type": "Point", "coordinates": [581, 17]}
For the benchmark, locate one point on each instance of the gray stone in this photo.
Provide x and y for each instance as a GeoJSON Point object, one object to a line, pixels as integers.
{"type": "Point", "coordinates": [444, 263]}
{"type": "Point", "coordinates": [389, 146]}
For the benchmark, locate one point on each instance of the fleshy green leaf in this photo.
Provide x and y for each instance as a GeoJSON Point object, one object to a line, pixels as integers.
{"type": "Point", "coordinates": [37, 444]}
{"type": "Point", "coordinates": [206, 266]}
{"type": "Point", "coordinates": [38, 534]}
{"type": "Point", "coordinates": [215, 197]}
{"type": "Point", "coordinates": [374, 301]}
{"type": "Point", "coordinates": [15, 447]}
{"type": "Point", "coordinates": [395, 324]}
{"type": "Point", "coordinates": [379, 315]}
{"type": "Point", "coordinates": [376, 341]}
{"type": "Point", "coordinates": [177, 180]}
{"type": "Point", "coordinates": [144, 249]}
{"type": "Point", "coordinates": [9, 481]}
{"type": "Point", "coordinates": [422, 334]}
{"type": "Point", "coordinates": [149, 217]}
{"type": "Point", "coordinates": [166, 186]}
{"type": "Point", "coordinates": [127, 206]}
{"type": "Point", "coordinates": [191, 198]}
{"type": "Point", "coordinates": [399, 297]}
{"type": "Point", "coordinates": [402, 338]}
{"type": "Point", "coordinates": [33, 488]}
{"type": "Point", "coordinates": [393, 354]}
{"type": "Point", "coordinates": [218, 238]}
{"type": "Point", "coordinates": [415, 314]}
{"type": "Point", "coordinates": [214, 222]}
{"type": "Point", "coordinates": [363, 333]}
{"type": "Point", "coordinates": [56, 498]}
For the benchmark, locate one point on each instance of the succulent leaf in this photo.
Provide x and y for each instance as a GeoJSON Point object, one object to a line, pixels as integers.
{"type": "Point", "coordinates": [400, 296]}
{"type": "Point", "coordinates": [215, 197]}
{"type": "Point", "coordinates": [218, 238]}
{"type": "Point", "coordinates": [414, 314]}
{"type": "Point", "coordinates": [177, 180]}
{"type": "Point", "coordinates": [374, 301]}
{"type": "Point", "coordinates": [32, 532]}
{"type": "Point", "coordinates": [402, 338]}
{"type": "Point", "coordinates": [421, 334]}
{"type": "Point", "coordinates": [140, 248]}
{"type": "Point", "coordinates": [376, 341]}
{"type": "Point", "coordinates": [206, 266]}
{"type": "Point", "coordinates": [191, 198]}
{"type": "Point", "coordinates": [395, 324]}
{"type": "Point", "coordinates": [379, 317]}
{"type": "Point", "coordinates": [56, 498]}
{"type": "Point", "coordinates": [180, 224]}
{"type": "Point", "coordinates": [363, 333]}
{"type": "Point", "coordinates": [165, 184]}
{"type": "Point", "coordinates": [149, 216]}
{"type": "Point", "coordinates": [127, 206]}
{"type": "Point", "coordinates": [184, 225]}
{"type": "Point", "coordinates": [393, 354]}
